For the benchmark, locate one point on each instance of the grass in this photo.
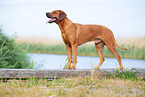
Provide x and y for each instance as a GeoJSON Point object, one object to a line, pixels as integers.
{"type": "Point", "coordinates": [125, 74]}
{"type": "Point", "coordinates": [11, 54]}
{"type": "Point", "coordinates": [86, 50]}
{"type": "Point", "coordinates": [73, 87]}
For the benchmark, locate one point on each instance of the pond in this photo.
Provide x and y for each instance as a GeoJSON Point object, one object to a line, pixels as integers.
{"type": "Point", "coordinates": [53, 61]}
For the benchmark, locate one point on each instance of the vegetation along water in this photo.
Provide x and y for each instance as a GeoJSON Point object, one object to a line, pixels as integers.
{"type": "Point", "coordinates": [133, 52]}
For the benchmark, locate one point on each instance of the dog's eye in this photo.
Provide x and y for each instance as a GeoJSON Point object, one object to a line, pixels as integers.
{"type": "Point", "coordinates": [54, 12]}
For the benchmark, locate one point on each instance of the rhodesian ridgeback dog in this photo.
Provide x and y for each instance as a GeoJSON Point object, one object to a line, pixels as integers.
{"type": "Point", "coordinates": [74, 34]}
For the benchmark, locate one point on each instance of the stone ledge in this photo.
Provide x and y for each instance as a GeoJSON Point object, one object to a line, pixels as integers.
{"type": "Point", "coordinates": [60, 73]}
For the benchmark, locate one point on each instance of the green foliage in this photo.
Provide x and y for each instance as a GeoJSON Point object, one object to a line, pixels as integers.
{"type": "Point", "coordinates": [66, 63]}
{"type": "Point", "coordinates": [39, 48]}
{"type": "Point", "coordinates": [11, 54]}
{"type": "Point", "coordinates": [87, 50]}
{"type": "Point", "coordinates": [125, 74]}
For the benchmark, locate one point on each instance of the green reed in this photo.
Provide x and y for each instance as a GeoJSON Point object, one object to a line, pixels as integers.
{"type": "Point", "coordinates": [11, 54]}
{"type": "Point", "coordinates": [87, 50]}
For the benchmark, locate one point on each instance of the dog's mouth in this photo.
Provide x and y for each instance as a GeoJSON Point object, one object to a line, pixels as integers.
{"type": "Point", "coordinates": [51, 20]}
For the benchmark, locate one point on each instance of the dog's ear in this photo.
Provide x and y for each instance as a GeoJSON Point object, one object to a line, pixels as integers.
{"type": "Point", "coordinates": [62, 15]}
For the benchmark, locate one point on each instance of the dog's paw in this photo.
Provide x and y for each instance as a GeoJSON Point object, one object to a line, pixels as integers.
{"type": "Point", "coordinates": [67, 67]}
{"type": "Point", "coordinates": [73, 67]}
{"type": "Point", "coordinates": [120, 68]}
{"type": "Point", "coordinates": [96, 68]}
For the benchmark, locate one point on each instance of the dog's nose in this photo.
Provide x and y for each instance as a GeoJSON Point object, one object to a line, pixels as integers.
{"type": "Point", "coordinates": [48, 14]}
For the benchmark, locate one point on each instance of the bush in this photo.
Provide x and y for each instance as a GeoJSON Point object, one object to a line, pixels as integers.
{"type": "Point", "coordinates": [12, 55]}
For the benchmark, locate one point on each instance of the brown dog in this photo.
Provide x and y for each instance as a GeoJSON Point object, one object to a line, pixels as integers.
{"type": "Point", "coordinates": [75, 34]}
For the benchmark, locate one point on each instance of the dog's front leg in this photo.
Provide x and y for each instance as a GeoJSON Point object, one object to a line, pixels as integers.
{"type": "Point", "coordinates": [74, 50]}
{"type": "Point", "coordinates": [69, 52]}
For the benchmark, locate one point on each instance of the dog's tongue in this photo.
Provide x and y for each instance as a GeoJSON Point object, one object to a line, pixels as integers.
{"type": "Point", "coordinates": [49, 20]}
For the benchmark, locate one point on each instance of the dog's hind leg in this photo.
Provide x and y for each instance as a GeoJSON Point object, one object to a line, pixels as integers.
{"type": "Point", "coordinates": [99, 45]}
{"type": "Point", "coordinates": [111, 47]}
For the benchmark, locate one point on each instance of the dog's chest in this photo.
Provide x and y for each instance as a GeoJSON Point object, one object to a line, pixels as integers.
{"type": "Point", "coordinates": [69, 38]}
{"type": "Point", "coordinates": [65, 38]}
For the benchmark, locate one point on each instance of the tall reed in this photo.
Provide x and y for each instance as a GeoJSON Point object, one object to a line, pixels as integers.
{"type": "Point", "coordinates": [86, 50]}
{"type": "Point", "coordinates": [11, 54]}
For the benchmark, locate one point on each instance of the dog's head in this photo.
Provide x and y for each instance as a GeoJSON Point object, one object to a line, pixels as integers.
{"type": "Point", "coordinates": [55, 16]}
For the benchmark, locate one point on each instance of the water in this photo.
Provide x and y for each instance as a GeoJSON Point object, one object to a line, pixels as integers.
{"type": "Point", "coordinates": [52, 61]}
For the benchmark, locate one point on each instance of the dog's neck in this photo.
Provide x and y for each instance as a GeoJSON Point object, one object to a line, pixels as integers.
{"type": "Point", "coordinates": [64, 24]}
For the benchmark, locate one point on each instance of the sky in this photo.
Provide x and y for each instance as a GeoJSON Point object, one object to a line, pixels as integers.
{"type": "Point", "coordinates": [26, 18]}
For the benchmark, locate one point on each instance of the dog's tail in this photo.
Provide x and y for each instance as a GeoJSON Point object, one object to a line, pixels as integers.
{"type": "Point", "coordinates": [120, 47]}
